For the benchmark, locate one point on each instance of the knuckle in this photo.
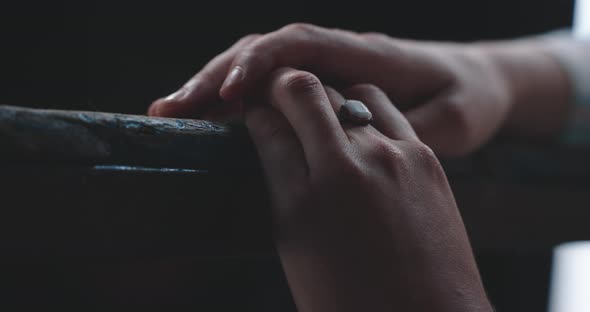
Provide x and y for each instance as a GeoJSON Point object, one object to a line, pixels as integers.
{"type": "Point", "coordinates": [251, 37]}
{"type": "Point", "coordinates": [301, 82]}
{"type": "Point", "coordinates": [248, 38]}
{"type": "Point", "coordinates": [204, 79]}
{"type": "Point", "coordinates": [424, 152]}
{"type": "Point", "coordinates": [252, 54]}
{"type": "Point", "coordinates": [387, 152]}
{"type": "Point", "coordinates": [406, 159]}
{"type": "Point", "coordinates": [300, 28]}
{"type": "Point", "coordinates": [377, 36]}
{"type": "Point", "coordinates": [392, 158]}
{"type": "Point", "coordinates": [425, 157]}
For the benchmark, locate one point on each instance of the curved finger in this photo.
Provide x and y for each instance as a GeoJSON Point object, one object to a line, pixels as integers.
{"type": "Point", "coordinates": [332, 54]}
{"type": "Point", "coordinates": [301, 97]}
{"type": "Point", "coordinates": [387, 119]}
{"type": "Point", "coordinates": [201, 91]}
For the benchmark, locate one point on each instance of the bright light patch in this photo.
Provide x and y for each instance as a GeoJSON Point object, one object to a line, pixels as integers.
{"type": "Point", "coordinates": [570, 281]}
{"type": "Point", "coordinates": [582, 19]}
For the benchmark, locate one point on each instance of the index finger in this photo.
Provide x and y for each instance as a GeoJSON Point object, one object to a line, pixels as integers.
{"type": "Point", "coordinates": [202, 91]}
{"type": "Point", "coordinates": [334, 53]}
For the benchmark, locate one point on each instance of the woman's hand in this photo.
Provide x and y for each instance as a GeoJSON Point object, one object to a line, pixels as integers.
{"type": "Point", "coordinates": [365, 219]}
{"type": "Point", "coordinates": [453, 96]}
{"type": "Point", "coordinates": [456, 96]}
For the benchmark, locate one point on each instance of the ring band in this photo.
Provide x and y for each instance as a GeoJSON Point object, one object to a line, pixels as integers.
{"type": "Point", "coordinates": [355, 112]}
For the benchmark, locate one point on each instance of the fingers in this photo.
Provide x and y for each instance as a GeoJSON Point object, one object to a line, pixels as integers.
{"type": "Point", "coordinates": [301, 98]}
{"type": "Point", "coordinates": [335, 55]}
{"type": "Point", "coordinates": [278, 148]}
{"type": "Point", "coordinates": [201, 91]}
{"type": "Point", "coordinates": [260, 58]}
{"type": "Point", "coordinates": [332, 54]}
{"type": "Point", "coordinates": [387, 119]}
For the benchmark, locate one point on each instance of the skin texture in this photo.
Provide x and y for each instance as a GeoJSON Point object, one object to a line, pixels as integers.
{"type": "Point", "coordinates": [364, 217]}
{"type": "Point", "coordinates": [456, 96]}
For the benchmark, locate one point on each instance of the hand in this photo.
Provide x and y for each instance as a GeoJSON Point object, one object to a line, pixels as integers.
{"type": "Point", "coordinates": [451, 94]}
{"type": "Point", "coordinates": [365, 219]}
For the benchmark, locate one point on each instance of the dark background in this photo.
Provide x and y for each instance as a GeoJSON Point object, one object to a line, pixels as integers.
{"type": "Point", "coordinates": [119, 56]}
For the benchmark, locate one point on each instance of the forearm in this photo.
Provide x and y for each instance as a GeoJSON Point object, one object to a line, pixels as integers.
{"type": "Point", "coordinates": [539, 86]}
{"type": "Point", "coordinates": [360, 266]}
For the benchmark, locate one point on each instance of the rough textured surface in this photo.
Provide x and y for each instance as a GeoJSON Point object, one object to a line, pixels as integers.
{"type": "Point", "coordinates": [105, 210]}
{"type": "Point", "coordinates": [151, 175]}
{"type": "Point", "coordinates": [94, 138]}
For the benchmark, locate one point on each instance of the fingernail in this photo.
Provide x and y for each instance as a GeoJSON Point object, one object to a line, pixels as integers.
{"type": "Point", "coordinates": [234, 77]}
{"type": "Point", "coordinates": [176, 95]}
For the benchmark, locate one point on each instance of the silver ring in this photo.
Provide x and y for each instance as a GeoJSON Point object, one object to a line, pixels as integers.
{"type": "Point", "coordinates": [355, 112]}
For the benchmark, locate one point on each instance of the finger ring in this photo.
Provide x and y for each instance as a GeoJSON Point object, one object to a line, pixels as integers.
{"type": "Point", "coordinates": [355, 112]}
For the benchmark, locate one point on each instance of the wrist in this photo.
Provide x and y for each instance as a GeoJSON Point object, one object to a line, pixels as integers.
{"type": "Point", "coordinates": [536, 84]}
{"type": "Point", "coordinates": [318, 282]}
{"type": "Point", "coordinates": [324, 272]}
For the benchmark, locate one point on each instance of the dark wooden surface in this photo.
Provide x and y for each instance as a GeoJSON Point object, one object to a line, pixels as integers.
{"type": "Point", "coordinates": [111, 209]}
{"type": "Point", "coordinates": [70, 137]}
{"type": "Point", "coordinates": [126, 183]}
